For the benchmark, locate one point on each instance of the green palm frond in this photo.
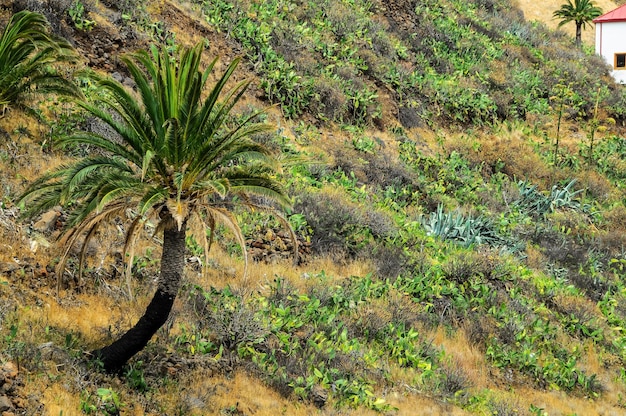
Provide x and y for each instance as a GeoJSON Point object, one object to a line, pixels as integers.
{"type": "Point", "coordinates": [582, 12]}
{"type": "Point", "coordinates": [153, 197]}
{"type": "Point", "coordinates": [80, 172]}
{"type": "Point", "coordinates": [28, 55]}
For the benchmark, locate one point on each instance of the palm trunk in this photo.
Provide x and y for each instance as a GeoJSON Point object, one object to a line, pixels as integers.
{"type": "Point", "coordinates": [114, 356]}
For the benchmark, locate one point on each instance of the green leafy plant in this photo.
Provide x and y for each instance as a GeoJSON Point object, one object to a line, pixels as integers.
{"type": "Point", "coordinates": [135, 377]}
{"type": "Point", "coordinates": [465, 230]}
{"type": "Point", "coordinates": [105, 401]}
{"type": "Point", "coordinates": [78, 15]}
{"type": "Point", "coordinates": [364, 144]}
{"type": "Point", "coordinates": [536, 203]}
{"type": "Point", "coordinates": [29, 55]}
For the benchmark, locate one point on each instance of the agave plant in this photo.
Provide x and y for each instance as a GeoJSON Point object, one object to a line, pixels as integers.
{"type": "Point", "coordinates": [464, 230]}
{"type": "Point", "coordinates": [536, 203]}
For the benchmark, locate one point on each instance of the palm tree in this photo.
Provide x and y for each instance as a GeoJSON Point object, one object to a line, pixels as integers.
{"type": "Point", "coordinates": [176, 158]}
{"type": "Point", "coordinates": [28, 54]}
{"type": "Point", "coordinates": [581, 12]}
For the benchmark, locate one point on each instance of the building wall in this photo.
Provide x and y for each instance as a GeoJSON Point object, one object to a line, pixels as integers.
{"type": "Point", "coordinates": [611, 39]}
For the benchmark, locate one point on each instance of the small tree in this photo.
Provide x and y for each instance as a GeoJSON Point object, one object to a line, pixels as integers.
{"type": "Point", "coordinates": [175, 158]}
{"type": "Point", "coordinates": [581, 12]}
{"type": "Point", "coordinates": [28, 55]}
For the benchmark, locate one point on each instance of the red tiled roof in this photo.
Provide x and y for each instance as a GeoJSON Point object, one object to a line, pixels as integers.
{"type": "Point", "coordinates": [616, 15]}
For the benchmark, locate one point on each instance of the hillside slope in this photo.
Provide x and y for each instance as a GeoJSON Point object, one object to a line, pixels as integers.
{"type": "Point", "coordinates": [454, 259]}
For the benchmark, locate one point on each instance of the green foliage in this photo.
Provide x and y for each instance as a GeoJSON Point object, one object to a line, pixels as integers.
{"type": "Point", "coordinates": [135, 377]}
{"type": "Point", "coordinates": [467, 231]}
{"type": "Point", "coordinates": [29, 55]}
{"type": "Point", "coordinates": [78, 15]}
{"type": "Point", "coordinates": [609, 156]}
{"type": "Point", "coordinates": [333, 60]}
{"type": "Point", "coordinates": [295, 362]}
{"type": "Point", "coordinates": [538, 204]}
{"type": "Point", "coordinates": [105, 401]}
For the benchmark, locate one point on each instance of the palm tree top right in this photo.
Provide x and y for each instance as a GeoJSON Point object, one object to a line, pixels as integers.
{"type": "Point", "coordinates": [581, 12]}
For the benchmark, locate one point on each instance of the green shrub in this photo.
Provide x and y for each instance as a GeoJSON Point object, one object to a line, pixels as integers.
{"type": "Point", "coordinates": [340, 227]}
{"type": "Point", "coordinates": [78, 14]}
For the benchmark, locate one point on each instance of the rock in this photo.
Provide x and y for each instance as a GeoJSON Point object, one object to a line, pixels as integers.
{"type": "Point", "coordinates": [47, 222]}
{"type": "Point", "coordinates": [5, 404]}
{"type": "Point", "coordinates": [7, 387]}
{"type": "Point", "coordinates": [10, 370]}
{"type": "Point", "coordinates": [8, 267]}
{"type": "Point", "coordinates": [319, 396]}
{"type": "Point", "coordinates": [257, 244]}
{"type": "Point", "coordinates": [19, 403]}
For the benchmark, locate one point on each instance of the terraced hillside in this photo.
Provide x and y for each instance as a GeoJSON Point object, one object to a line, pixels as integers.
{"type": "Point", "coordinates": [456, 173]}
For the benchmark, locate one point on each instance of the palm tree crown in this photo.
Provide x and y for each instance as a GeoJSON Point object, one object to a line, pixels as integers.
{"type": "Point", "coordinates": [27, 57]}
{"type": "Point", "coordinates": [171, 156]}
{"type": "Point", "coordinates": [174, 157]}
{"type": "Point", "coordinates": [581, 12]}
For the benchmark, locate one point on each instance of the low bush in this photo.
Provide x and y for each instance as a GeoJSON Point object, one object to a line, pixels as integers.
{"type": "Point", "coordinates": [453, 380]}
{"type": "Point", "coordinates": [232, 323]}
{"type": "Point", "coordinates": [340, 227]}
{"type": "Point", "coordinates": [512, 154]}
{"type": "Point", "coordinates": [461, 267]}
{"type": "Point", "coordinates": [390, 261]}
{"type": "Point", "coordinates": [327, 102]}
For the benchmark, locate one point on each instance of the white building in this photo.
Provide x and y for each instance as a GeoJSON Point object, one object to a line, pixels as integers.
{"type": "Point", "coordinates": [611, 41]}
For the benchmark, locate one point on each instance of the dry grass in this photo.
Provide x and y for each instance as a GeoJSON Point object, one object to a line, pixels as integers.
{"type": "Point", "coordinates": [90, 314]}
{"type": "Point", "coordinates": [59, 400]}
{"type": "Point", "coordinates": [229, 271]}
{"type": "Point", "coordinates": [560, 403]}
{"type": "Point", "coordinates": [513, 150]}
{"type": "Point", "coordinates": [467, 358]}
